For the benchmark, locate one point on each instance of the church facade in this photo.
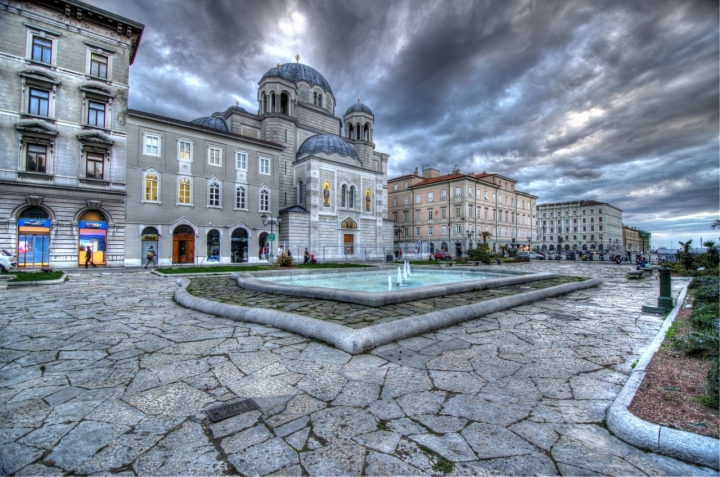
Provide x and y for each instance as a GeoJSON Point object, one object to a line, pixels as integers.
{"type": "Point", "coordinates": [205, 191]}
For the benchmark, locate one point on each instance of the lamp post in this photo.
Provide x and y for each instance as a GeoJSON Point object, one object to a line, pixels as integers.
{"type": "Point", "coordinates": [529, 243]}
{"type": "Point", "coordinates": [270, 221]}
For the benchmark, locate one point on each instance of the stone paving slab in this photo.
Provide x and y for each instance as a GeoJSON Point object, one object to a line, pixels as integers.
{"type": "Point", "coordinates": [120, 387]}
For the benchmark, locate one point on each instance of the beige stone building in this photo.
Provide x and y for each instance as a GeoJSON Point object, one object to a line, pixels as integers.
{"type": "Point", "coordinates": [579, 225]}
{"type": "Point", "coordinates": [635, 240]}
{"type": "Point", "coordinates": [453, 212]}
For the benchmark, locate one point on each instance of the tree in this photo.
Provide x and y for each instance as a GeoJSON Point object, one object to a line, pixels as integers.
{"type": "Point", "coordinates": [485, 236]}
{"type": "Point", "coordinates": [684, 255]}
{"type": "Point", "coordinates": [711, 257]}
{"type": "Point", "coordinates": [715, 224]}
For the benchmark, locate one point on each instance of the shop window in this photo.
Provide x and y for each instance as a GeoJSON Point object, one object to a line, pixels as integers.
{"type": "Point", "coordinates": [36, 158]}
{"type": "Point", "coordinates": [94, 166]}
{"type": "Point", "coordinates": [213, 246]}
{"type": "Point", "coordinates": [240, 198]}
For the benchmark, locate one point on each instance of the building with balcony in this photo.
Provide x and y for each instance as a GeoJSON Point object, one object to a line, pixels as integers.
{"type": "Point", "coordinates": [583, 225]}
{"type": "Point", "coordinates": [63, 130]}
{"type": "Point", "coordinates": [456, 211]}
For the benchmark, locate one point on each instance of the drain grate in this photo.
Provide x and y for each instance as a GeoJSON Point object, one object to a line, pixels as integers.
{"type": "Point", "coordinates": [229, 410]}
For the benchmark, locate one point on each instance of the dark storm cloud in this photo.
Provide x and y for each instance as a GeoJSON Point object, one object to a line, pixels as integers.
{"type": "Point", "coordinates": [614, 101]}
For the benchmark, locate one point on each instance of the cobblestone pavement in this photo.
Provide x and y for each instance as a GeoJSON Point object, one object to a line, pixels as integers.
{"type": "Point", "coordinates": [226, 290]}
{"type": "Point", "coordinates": [105, 373]}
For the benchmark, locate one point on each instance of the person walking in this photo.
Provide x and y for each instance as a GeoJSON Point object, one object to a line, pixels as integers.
{"type": "Point", "coordinates": [151, 257]}
{"type": "Point", "coordinates": [306, 256]}
{"type": "Point", "coordinates": [89, 257]}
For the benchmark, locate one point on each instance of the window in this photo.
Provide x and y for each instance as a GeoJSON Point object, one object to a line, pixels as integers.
{"type": "Point", "coordinates": [443, 213]}
{"type": "Point", "coordinates": [406, 200]}
{"type": "Point", "coordinates": [36, 158]}
{"type": "Point", "coordinates": [406, 186]}
{"type": "Point", "coordinates": [457, 212]}
{"type": "Point", "coordinates": [458, 192]}
{"type": "Point", "coordinates": [443, 230]}
{"type": "Point", "coordinates": [430, 196]}
{"type": "Point", "coordinates": [405, 216]}
{"type": "Point", "coordinates": [300, 192]}
{"type": "Point", "coordinates": [395, 201]}
{"type": "Point", "coordinates": [96, 114]}
{"type": "Point", "coordinates": [395, 217]}
{"type": "Point", "coordinates": [430, 229]}
{"type": "Point", "coordinates": [599, 219]}
{"type": "Point", "coordinates": [417, 198]}
{"type": "Point", "coordinates": [241, 160]}
{"type": "Point", "coordinates": [470, 191]}
{"type": "Point", "coordinates": [458, 229]}
{"type": "Point", "coordinates": [41, 49]}
{"type": "Point", "coordinates": [184, 191]}
{"type": "Point", "coordinates": [98, 65]}
{"type": "Point", "coordinates": [214, 194]}
{"type": "Point", "coordinates": [343, 196]}
{"type": "Point", "coordinates": [395, 187]}
{"type": "Point", "coordinates": [417, 231]}
{"type": "Point", "coordinates": [430, 214]}
{"type": "Point", "coordinates": [264, 200]}
{"type": "Point", "coordinates": [94, 166]}
{"type": "Point", "coordinates": [443, 194]}
{"type": "Point", "coordinates": [486, 195]}
{"type": "Point", "coordinates": [184, 150]}
{"type": "Point", "coordinates": [417, 216]}
{"type": "Point", "coordinates": [151, 188]}
{"type": "Point", "coordinates": [39, 102]}
{"type": "Point", "coordinates": [152, 145]}
{"type": "Point", "coordinates": [470, 208]}
{"type": "Point", "coordinates": [214, 154]}
{"type": "Point", "coordinates": [494, 200]}
{"type": "Point", "coordinates": [265, 166]}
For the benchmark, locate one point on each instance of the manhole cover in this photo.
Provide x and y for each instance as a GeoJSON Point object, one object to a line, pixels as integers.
{"type": "Point", "coordinates": [560, 316]}
{"type": "Point", "coordinates": [229, 410]}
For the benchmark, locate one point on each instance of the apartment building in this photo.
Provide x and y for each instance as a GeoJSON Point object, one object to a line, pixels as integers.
{"type": "Point", "coordinates": [586, 225]}
{"type": "Point", "coordinates": [456, 211]}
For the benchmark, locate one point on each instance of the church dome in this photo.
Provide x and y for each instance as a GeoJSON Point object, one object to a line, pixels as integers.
{"type": "Point", "coordinates": [212, 122]}
{"type": "Point", "coordinates": [298, 72]}
{"type": "Point", "coordinates": [328, 144]}
{"type": "Point", "coordinates": [358, 107]}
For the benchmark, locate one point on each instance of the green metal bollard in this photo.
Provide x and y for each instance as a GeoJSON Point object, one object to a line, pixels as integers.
{"type": "Point", "coordinates": [665, 300]}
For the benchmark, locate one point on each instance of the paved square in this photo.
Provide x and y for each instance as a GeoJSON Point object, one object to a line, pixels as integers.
{"type": "Point", "coordinates": [105, 373]}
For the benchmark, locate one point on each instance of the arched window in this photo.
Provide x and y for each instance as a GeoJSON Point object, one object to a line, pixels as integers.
{"type": "Point", "coordinates": [320, 100]}
{"type": "Point", "coordinates": [350, 131]}
{"type": "Point", "coordinates": [214, 195]}
{"type": "Point", "coordinates": [366, 132]}
{"type": "Point", "coordinates": [265, 200]}
{"type": "Point", "coordinates": [300, 193]}
{"type": "Point", "coordinates": [352, 197]}
{"type": "Point", "coordinates": [240, 198]}
{"type": "Point", "coordinates": [151, 187]}
{"type": "Point", "coordinates": [315, 99]}
{"type": "Point", "coordinates": [264, 103]}
{"type": "Point", "coordinates": [284, 101]}
{"type": "Point", "coordinates": [213, 246]}
{"type": "Point", "coordinates": [184, 191]}
{"type": "Point", "coordinates": [368, 200]}
{"type": "Point", "coordinates": [272, 102]}
{"type": "Point", "coordinates": [343, 196]}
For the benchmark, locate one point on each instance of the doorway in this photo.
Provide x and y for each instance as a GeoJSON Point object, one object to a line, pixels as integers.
{"type": "Point", "coordinates": [149, 238]}
{"type": "Point", "coordinates": [239, 246]}
{"type": "Point", "coordinates": [93, 235]}
{"type": "Point", "coordinates": [183, 244]}
{"type": "Point", "coordinates": [349, 244]}
{"type": "Point", "coordinates": [33, 249]}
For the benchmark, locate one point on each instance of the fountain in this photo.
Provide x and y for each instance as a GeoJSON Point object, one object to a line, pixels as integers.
{"type": "Point", "coordinates": [389, 282]}
{"type": "Point", "coordinates": [399, 279]}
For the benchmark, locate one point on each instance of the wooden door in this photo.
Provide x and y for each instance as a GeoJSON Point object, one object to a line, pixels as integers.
{"type": "Point", "coordinates": [183, 248]}
{"type": "Point", "coordinates": [349, 243]}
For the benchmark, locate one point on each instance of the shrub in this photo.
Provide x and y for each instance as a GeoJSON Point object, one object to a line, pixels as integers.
{"type": "Point", "coordinates": [713, 398]}
{"type": "Point", "coordinates": [706, 316]}
{"type": "Point", "coordinates": [480, 254]}
{"type": "Point", "coordinates": [702, 343]}
{"type": "Point", "coordinates": [284, 261]}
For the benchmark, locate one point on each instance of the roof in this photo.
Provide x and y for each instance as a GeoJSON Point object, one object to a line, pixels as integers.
{"type": "Point", "coordinates": [200, 127]}
{"type": "Point", "coordinates": [213, 122]}
{"type": "Point", "coordinates": [295, 208]}
{"type": "Point", "coordinates": [358, 107]}
{"type": "Point", "coordinates": [238, 109]}
{"type": "Point", "coordinates": [296, 72]}
{"type": "Point", "coordinates": [328, 144]}
{"type": "Point", "coordinates": [446, 177]}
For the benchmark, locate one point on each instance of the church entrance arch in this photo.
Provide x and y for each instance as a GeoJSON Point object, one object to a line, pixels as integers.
{"type": "Point", "coordinates": [183, 244]}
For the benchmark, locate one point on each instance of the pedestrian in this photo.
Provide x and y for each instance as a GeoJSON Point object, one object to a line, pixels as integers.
{"type": "Point", "coordinates": [306, 256]}
{"type": "Point", "coordinates": [89, 257]}
{"type": "Point", "coordinates": [151, 257]}
{"type": "Point", "coordinates": [279, 251]}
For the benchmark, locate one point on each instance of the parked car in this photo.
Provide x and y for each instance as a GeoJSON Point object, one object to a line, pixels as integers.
{"type": "Point", "coordinates": [7, 260]}
{"type": "Point", "coordinates": [442, 255]}
{"type": "Point", "coordinates": [539, 256]}
{"type": "Point", "coordinates": [530, 255]}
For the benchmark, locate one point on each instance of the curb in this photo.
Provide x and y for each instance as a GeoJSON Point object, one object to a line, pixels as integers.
{"type": "Point", "coordinates": [684, 445]}
{"type": "Point", "coordinates": [356, 341]}
{"type": "Point", "coordinates": [39, 283]}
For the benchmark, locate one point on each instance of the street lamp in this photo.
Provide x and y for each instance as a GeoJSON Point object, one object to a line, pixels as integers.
{"type": "Point", "coordinates": [529, 243]}
{"type": "Point", "coordinates": [270, 221]}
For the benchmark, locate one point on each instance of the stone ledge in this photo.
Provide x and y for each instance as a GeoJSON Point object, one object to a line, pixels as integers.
{"type": "Point", "coordinates": [687, 446]}
{"type": "Point", "coordinates": [356, 341]}
{"type": "Point", "coordinates": [57, 281]}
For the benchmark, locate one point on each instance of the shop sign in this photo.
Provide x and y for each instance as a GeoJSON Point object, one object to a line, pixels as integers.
{"type": "Point", "coordinates": [34, 222]}
{"type": "Point", "coordinates": [150, 237]}
{"type": "Point", "coordinates": [271, 237]}
{"type": "Point", "coordinates": [93, 225]}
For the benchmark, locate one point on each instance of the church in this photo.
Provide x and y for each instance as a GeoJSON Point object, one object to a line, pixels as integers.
{"type": "Point", "coordinates": [219, 189]}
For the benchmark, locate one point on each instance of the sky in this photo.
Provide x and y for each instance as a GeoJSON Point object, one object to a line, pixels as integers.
{"type": "Point", "coordinates": [615, 101]}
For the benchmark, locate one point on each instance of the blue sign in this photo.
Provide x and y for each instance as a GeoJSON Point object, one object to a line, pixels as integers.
{"type": "Point", "coordinates": [34, 223]}
{"type": "Point", "coordinates": [93, 225]}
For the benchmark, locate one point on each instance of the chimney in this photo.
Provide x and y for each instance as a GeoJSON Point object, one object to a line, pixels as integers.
{"type": "Point", "coordinates": [429, 173]}
{"type": "Point", "coordinates": [416, 172]}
